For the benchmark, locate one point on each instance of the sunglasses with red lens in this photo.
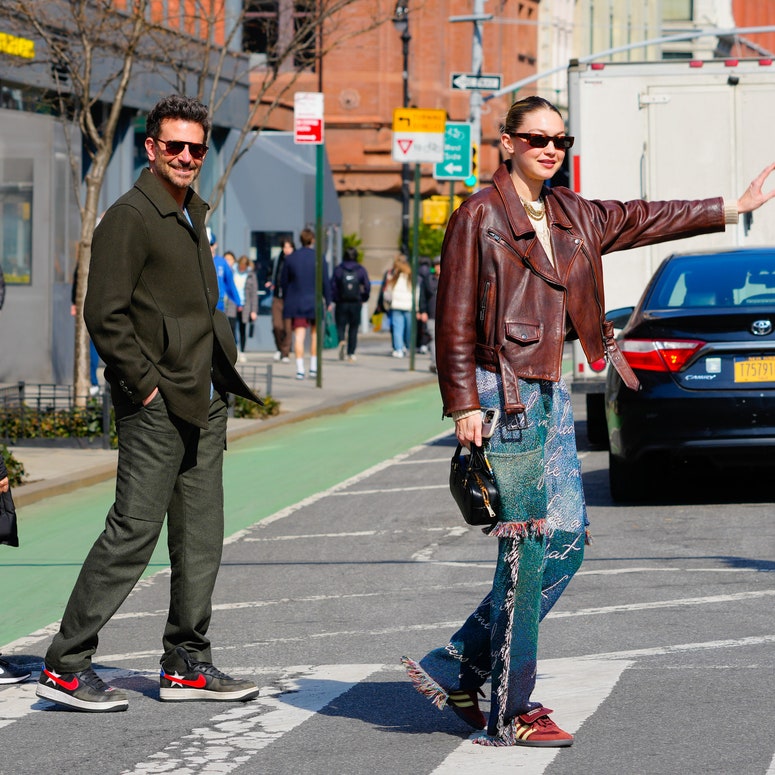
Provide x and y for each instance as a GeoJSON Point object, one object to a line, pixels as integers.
{"type": "Point", "coordinates": [176, 147]}
{"type": "Point", "coordinates": [561, 142]}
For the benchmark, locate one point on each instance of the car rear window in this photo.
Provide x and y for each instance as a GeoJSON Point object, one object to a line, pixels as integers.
{"type": "Point", "coordinates": [724, 280]}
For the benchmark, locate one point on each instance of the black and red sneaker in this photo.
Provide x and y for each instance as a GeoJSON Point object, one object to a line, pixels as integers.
{"type": "Point", "coordinates": [189, 679]}
{"type": "Point", "coordinates": [536, 729]}
{"type": "Point", "coordinates": [84, 690]}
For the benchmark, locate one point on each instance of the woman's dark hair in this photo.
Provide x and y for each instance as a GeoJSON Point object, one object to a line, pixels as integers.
{"type": "Point", "coordinates": [522, 108]}
{"type": "Point", "coordinates": [177, 107]}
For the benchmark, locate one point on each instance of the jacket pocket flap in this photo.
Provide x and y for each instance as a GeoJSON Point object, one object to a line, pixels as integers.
{"type": "Point", "coordinates": [524, 333]}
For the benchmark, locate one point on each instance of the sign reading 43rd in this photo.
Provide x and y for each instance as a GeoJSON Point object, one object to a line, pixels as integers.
{"type": "Point", "coordinates": [457, 153]}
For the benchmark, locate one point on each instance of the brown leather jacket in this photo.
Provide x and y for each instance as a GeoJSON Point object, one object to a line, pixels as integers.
{"type": "Point", "coordinates": [503, 305]}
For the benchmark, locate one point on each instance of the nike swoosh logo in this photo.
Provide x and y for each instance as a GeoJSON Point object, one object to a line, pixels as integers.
{"type": "Point", "coordinates": [71, 686]}
{"type": "Point", "coordinates": [199, 683]}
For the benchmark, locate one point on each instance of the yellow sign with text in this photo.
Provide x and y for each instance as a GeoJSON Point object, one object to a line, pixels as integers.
{"type": "Point", "coordinates": [18, 47]}
{"type": "Point", "coordinates": [419, 120]}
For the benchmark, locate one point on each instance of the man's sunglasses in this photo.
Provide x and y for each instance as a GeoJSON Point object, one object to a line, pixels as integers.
{"type": "Point", "coordinates": [541, 141]}
{"type": "Point", "coordinates": [176, 147]}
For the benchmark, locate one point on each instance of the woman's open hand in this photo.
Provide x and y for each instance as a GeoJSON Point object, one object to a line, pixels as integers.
{"type": "Point", "coordinates": [754, 197]}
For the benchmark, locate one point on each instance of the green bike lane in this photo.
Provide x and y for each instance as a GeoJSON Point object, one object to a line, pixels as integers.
{"type": "Point", "coordinates": [263, 473]}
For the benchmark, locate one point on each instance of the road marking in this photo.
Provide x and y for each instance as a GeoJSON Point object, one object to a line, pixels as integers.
{"type": "Point", "coordinates": [660, 604]}
{"type": "Point", "coordinates": [450, 531]}
{"type": "Point", "coordinates": [231, 738]}
{"type": "Point", "coordinates": [575, 691]}
{"type": "Point", "coordinates": [380, 490]}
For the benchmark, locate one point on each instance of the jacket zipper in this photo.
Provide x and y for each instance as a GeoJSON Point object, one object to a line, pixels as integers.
{"type": "Point", "coordinates": [524, 259]}
{"type": "Point", "coordinates": [483, 303]}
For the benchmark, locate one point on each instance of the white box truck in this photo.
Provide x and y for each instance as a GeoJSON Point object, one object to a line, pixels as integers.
{"type": "Point", "coordinates": [672, 129]}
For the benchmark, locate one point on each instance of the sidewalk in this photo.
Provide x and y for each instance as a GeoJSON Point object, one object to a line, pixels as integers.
{"type": "Point", "coordinates": [52, 471]}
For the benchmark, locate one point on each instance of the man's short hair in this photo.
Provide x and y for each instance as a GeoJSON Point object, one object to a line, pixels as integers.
{"type": "Point", "coordinates": [307, 237]}
{"type": "Point", "coordinates": [176, 106]}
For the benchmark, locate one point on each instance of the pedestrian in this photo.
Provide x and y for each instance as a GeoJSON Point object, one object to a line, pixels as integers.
{"type": "Point", "coordinates": [151, 308]}
{"type": "Point", "coordinates": [281, 326]}
{"type": "Point", "coordinates": [239, 318]}
{"type": "Point", "coordinates": [397, 300]}
{"type": "Point", "coordinates": [430, 293]}
{"type": "Point", "coordinates": [522, 272]}
{"type": "Point", "coordinates": [9, 673]}
{"type": "Point", "coordinates": [350, 288]}
{"type": "Point", "coordinates": [2, 286]}
{"type": "Point", "coordinates": [300, 300]}
{"type": "Point", "coordinates": [227, 290]}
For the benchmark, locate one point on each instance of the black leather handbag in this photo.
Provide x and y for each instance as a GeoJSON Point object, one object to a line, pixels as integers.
{"type": "Point", "coordinates": [472, 484]}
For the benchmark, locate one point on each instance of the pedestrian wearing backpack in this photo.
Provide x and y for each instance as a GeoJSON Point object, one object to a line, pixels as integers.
{"type": "Point", "coordinates": [350, 289]}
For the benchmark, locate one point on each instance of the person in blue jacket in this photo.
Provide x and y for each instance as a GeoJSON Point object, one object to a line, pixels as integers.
{"type": "Point", "coordinates": [226, 285]}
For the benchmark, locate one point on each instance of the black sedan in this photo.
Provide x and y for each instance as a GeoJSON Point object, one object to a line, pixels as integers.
{"type": "Point", "coordinates": [702, 342]}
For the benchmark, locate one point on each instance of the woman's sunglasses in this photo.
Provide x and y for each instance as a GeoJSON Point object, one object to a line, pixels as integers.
{"type": "Point", "coordinates": [541, 141]}
{"type": "Point", "coordinates": [176, 147]}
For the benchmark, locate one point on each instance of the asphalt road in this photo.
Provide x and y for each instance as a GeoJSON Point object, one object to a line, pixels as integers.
{"type": "Point", "coordinates": [659, 655]}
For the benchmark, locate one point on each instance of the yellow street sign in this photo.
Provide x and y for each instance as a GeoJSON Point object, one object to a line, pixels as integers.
{"type": "Point", "coordinates": [419, 120]}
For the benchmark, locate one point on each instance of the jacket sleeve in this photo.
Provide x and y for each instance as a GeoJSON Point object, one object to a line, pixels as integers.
{"type": "Point", "coordinates": [365, 285]}
{"type": "Point", "coordinates": [624, 225]}
{"type": "Point", "coordinates": [119, 250]}
{"type": "Point", "coordinates": [456, 313]}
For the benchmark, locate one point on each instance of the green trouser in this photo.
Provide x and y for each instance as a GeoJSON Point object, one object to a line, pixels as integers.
{"type": "Point", "coordinates": [165, 467]}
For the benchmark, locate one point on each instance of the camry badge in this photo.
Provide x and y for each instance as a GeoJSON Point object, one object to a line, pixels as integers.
{"type": "Point", "coordinates": [761, 327]}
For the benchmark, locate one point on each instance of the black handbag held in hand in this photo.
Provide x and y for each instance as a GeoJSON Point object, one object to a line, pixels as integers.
{"type": "Point", "coordinates": [472, 484]}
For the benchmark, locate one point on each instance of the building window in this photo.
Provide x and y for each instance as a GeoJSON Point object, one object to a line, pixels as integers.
{"type": "Point", "coordinates": [273, 27]}
{"type": "Point", "coordinates": [16, 220]}
{"type": "Point", "coordinates": [677, 10]}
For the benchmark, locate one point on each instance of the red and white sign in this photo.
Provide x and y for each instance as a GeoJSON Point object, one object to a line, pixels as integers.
{"type": "Point", "coordinates": [308, 118]}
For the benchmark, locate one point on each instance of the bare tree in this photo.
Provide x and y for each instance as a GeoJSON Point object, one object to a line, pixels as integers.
{"type": "Point", "coordinates": [92, 49]}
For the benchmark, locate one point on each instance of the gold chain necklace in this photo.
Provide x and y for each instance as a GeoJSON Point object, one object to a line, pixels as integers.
{"type": "Point", "coordinates": [536, 213]}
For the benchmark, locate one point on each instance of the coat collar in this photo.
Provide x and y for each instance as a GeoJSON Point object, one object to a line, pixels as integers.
{"type": "Point", "coordinates": [162, 200]}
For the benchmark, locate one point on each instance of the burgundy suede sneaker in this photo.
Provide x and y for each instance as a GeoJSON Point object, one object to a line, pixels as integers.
{"type": "Point", "coordinates": [536, 729]}
{"type": "Point", "coordinates": [466, 705]}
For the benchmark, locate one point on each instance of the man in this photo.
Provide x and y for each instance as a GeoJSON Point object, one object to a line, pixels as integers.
{"type": "Point", "coordinates": [350, 288]}
{"type": "Point", "coordinates": [151, 310]}
{"type": "Point", "coordinates": [299, 303]}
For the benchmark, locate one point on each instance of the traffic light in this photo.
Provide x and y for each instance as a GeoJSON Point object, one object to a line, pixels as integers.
{"type": "Point", "coordinates": [472, 181]}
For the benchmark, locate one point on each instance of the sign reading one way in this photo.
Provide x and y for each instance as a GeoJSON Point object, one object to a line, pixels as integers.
{"type": "Point", "coordinates": [418, 135]}
{"type": "Point", "coordinates": [457, 153]}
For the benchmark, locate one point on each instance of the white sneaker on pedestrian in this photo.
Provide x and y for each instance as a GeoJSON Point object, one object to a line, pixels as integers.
{"type": "Point", "coordinates": [277, 356]}
{"type": "Point", "coordinates": [242, 358]}
{"type": "Point", "coordinates": [398, 353]}
{"type": "Point", "coordinates": [286, 359]}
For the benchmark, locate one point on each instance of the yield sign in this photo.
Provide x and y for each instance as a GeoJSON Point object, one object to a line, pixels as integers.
{"type": "Point", "coordinates": [405, 144]}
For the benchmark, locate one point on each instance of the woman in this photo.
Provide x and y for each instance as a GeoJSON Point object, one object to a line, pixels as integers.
{"type": "Point", "coordinates": [397, 297]}
{"type": "Point", "coordinates": [247, 286]}
{"type": "Point", "coordinates": [522, 272]}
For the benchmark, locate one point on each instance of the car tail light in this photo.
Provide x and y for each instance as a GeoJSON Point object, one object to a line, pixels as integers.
{"type": "Point", "coordinates": [659, 355]}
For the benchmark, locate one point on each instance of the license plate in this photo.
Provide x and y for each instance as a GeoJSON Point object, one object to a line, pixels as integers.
{"type": "Point", "coordinates": [755, 370]}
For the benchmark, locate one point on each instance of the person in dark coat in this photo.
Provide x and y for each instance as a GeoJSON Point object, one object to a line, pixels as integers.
{"type": "Point", "coordinates": [151, 308]}
{"type": "Point", "coordinates": [350, 288]}
{"type": "Point", "coordinates": [299, 299]}
{"type": "Point", "coordinates": [9, 674]}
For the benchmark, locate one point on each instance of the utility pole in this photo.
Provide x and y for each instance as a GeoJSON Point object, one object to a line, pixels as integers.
{"type": "Point", "coordinates": [475, 99]}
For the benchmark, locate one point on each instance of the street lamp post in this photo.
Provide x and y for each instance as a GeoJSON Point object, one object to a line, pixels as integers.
{"type": "Point", "coordinates": [401, 23]}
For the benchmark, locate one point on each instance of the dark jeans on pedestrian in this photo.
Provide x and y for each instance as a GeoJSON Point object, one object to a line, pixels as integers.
{"type": "Point", "coordinates": [165, 467]}
{"type": "Point", "coordinates": [348, 315]}
{"type": "Point", "coordinates": [239, 329]}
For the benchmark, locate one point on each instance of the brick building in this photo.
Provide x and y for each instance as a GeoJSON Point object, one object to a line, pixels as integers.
{"type": "Point", "coordinates": [362, 80]}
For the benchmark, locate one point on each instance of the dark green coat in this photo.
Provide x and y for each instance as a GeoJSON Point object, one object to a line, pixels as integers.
{"type": "Point", "coordinates": [150, 304]}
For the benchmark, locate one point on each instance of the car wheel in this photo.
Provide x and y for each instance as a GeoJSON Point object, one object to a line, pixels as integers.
{"type": "Point", "coordinates": [597, 429]}
{"type": "Point", "coordinates": [627, 481]}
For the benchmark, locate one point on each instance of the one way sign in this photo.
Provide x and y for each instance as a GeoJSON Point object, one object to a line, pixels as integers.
{"type": "Point", "coordinates": [476, 81]}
